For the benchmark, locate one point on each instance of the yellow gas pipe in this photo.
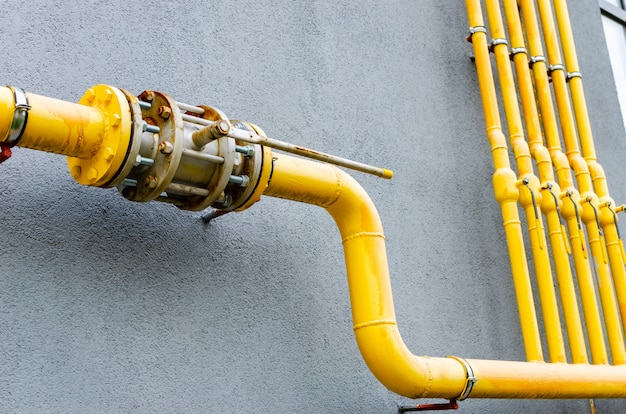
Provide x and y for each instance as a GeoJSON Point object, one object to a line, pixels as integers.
{"type": "Point", "coordinates": [589, 200]}
{"type": "Point", "coordinates": [505, 187]}
{"type": "Point", "coordinates": [530, 194]}
{"type": "Point", "coordinates": [373, 314]}
{"type": "Point", "coordinates": [570, 197]}
{"type": "Point", "coordinates": [320, 184]}
{"type": "Point", "coordinates": [552, 203]}
{"type": "Point", "coordinates": [608, 217]}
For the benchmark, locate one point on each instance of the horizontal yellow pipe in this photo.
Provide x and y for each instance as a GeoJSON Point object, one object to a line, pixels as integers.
{"type": "Point", "coordinates": [56, 126]}
{"type": "Point", "coordinates": [373, 312]}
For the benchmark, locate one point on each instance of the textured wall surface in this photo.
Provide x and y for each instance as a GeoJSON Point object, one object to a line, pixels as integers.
{"type": "Point", "coordinates": [112, 306]}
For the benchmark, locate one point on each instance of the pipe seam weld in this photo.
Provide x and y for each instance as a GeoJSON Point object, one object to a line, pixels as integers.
{"type": "Point", "coordinates": [430, 379]}
{"type": "Point", "coordinates": [363, 234]}
{"type": "Point", "coordinates": [374, 323]}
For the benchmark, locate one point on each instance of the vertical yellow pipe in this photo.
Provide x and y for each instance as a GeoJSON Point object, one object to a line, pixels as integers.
{"type": "Point", "coordinates": [550, 201]}
{"type": "Point", "coordinates": [570, 205]}
{"type": "Point", "coordinates": [530, 195]}
{"type": "Point", "coordinates": [608, 222]}
{"type": "Point", "coordinates": [505, 186]}
{"type": "Point", "coordinates": [590, 207]}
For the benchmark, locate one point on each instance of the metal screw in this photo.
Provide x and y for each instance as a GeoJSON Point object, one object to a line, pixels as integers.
{"type": "Point", "coordinates": [150, 128]}
{"type": "Point", "coordinates": [225, 201]}
{"type": "Point", "coordinates": [240, 180]}
{"type": "Point", "coordinates": [164, 112]}
{"type": "Point", "coordinates": [90, 94]}
{"type": "Point", "coordinates": [115, 120]}
{"type": "Point", "coordinates": [166, 147]}
{"type": "Point", "coordinates": [247, 151]}
{"type": "Point", "coordinates": [144, 105]}
{"type": "Point", "coordinates": [109, 153]}
{"type": "Point", "coordinates": [147, 96]}
{"type": "Point", "coordinates": [151, 181]}
{"type": "Point", "coordinates": [92, 175]}
{"type": "Point", "coordinates": [143, 161]}
{"type": "Point", "coordinates": [129, 182]}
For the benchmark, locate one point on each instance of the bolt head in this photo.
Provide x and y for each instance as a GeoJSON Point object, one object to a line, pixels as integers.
{"type": "Point", "coordinates": [90, 95]}
{"type": "Point", "coordinates": [223, 127]}
{"type": "Point", "coordinates": [92, 175]}
{"type": "Point", "coordinates": [166, 147]}
{"type": "Point", "coordinates": [147, 96]}
{"type": "Point", "coordinates": [115, 120]}
{"type": "Point", "coordinates": [164, 112]}
{"type": "Point", "coordinates": [151, 181]}
{"type": "Point", "coordinates": [109, 153]}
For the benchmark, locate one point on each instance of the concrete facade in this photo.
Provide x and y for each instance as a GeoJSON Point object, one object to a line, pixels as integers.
{"type": "Point", "coordinates": [112, 306]}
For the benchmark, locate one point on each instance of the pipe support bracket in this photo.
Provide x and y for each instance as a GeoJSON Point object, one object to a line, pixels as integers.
{"type": "Point", "coordinates": [470, 378]}
{"type": "Point", "coordinates": [20, 117]}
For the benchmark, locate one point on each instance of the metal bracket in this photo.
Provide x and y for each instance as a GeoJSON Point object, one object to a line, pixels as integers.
{"type": "Point", "coordinates": [470, 380]}
{"type": "Point", "coordinates": [475, 29]}
{"type": "Point", "coordinates": [571, 75]}
{"type": "Point", "coordinates": [20, 116]}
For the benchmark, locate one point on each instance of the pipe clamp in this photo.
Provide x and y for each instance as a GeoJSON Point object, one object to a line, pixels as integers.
{"type": "Point", "coordinates": [20, 116]}
{"type": "Point", "coordinates": [470, 379]}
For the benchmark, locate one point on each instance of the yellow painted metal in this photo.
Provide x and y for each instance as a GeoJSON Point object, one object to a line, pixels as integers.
{"type": "Point", "coordinates": [62, 127]}
{"type": "Point", "coordinates": [373, 314]}
{"type": "Point", "coordinates": [591, 205]}
{"type": "Point", "coordinates": [505, 187]}
{"type": "Point", "coordinates": [7, 106]}
{"type": "Point", "coordinates": [608, 219]}
{"type": "Point", "coordinates": [550, 204]}
{"type": "Point", "coordinates": [569, 197]}
{"type": "Point", "coordinates": [107, 156]}
{"type": "Point", "coordinates": [530, 194]}
{"type": "Point", "coordinates": [266, 171]}
{"type": "Point", "coordinates": [94, 134]}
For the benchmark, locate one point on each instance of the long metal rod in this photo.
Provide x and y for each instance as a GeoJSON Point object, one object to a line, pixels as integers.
{"type": "Point", "coordinates": [254, 138]}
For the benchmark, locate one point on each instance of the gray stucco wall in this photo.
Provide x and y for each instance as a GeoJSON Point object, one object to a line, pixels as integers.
{"type": "Point", "coordinates": [111, 306]}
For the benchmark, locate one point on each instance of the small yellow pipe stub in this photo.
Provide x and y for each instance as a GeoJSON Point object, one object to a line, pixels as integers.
{"type": "Point", "coordinates": [115, 136]}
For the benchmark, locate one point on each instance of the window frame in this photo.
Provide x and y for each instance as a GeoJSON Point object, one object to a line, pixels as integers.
{"type": "Point", "coordinates": [613, 12]}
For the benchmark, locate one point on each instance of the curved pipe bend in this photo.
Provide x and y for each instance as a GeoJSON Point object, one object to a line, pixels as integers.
{"type": "Point", "coordinates": [373, 313]}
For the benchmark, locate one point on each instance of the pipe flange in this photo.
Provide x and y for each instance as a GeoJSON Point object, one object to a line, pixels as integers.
{"type": "Point", "coordinates": [150, 177]}
{"type": "Point", "coordinates": [220, 178]}
{"type": "Point", "coordinates": [104, 165]}
{"type": "Point", "coordinates": [262, 180]}
{"type": "Point", "coordinates": [135, 140]}
{"type": "Point", "coordinates": [20, 117]}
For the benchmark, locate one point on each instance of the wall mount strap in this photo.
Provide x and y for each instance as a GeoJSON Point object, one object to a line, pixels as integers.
{"type": "Point", "coordinates": [470, 379]}
{"type": "Point", "coordinates": [20, 117]}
